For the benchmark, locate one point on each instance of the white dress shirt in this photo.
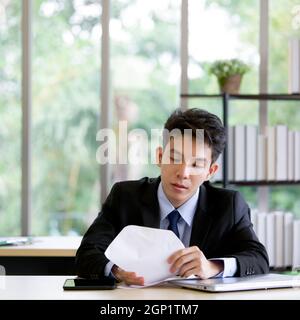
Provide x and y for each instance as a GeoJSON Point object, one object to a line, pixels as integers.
{"type": "Point", "coordinates": [185, 223]}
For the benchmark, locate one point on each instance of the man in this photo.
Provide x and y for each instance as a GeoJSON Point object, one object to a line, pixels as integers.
{"type": "Point", "coordinates": [213, 223]}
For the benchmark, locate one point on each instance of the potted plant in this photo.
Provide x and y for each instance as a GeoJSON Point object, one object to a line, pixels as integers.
{"type": "Point", "coordinates": [229, 74]}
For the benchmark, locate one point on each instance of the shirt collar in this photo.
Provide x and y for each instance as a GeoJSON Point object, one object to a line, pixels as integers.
{"type": "Point", "coordinates": [187, 210]}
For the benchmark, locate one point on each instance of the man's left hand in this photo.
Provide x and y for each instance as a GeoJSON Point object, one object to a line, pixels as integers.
{"type": "Point", "coordinates": [192, 261]}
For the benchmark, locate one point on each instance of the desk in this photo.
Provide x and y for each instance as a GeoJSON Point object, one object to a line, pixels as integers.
{"type": "Point", "coordinates": [45, 256]}
{"type": "Point", "coordinates": [34, 297]}
{"type": "Point", "coordinates": [51, 288]}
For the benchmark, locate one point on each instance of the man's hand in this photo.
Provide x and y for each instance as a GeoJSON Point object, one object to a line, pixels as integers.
{"type": "Point", "coordinates": [192, 261]}
{"type": "Point", "coordinates": [127, 277]}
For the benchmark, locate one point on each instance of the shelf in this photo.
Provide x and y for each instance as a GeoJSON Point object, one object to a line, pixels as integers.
{"type": "Point", "coordinates": [260, 183]}
{"type": "Point", "coordinates": [225, 99]}
{"type": "Point", "coordinates": [262, 96]}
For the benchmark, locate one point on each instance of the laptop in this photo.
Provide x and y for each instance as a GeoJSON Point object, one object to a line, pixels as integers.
{"type": "Point", "coordinates": [264, 281]}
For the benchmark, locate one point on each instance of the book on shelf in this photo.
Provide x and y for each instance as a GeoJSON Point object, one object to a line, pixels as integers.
{"type": "Point", "coordinates": [297, 155]}
{"type": "Point", "coordinates": [279, 232]}
{"type": "Point", "coordinates": [288, 238]}
{"type": "Point", "coordinates": [279, 257]}
{"type": "Point", "coordinates": [261, 157]}
{"type": "Point", "coordinates": [270, 237]}
{"type": "Point", "coordinates": [291, 155]}
{"type": "Point", "coordinates": [271, 153]}
{"type": "Point", "coordinates": [219, 174]}
{"type": "Point", "coordinates": [296, 241]}
{"type": "Point", "coordinates": [239, 153]}
{"type": "Point", "coordinates": [273, 156]}
{"type": "Point", "coordinates": [281, 138]}
{"type": "Point", "coordinates": [261, 227]}
{"type": "Point", "coordinates": [231, 147]}
{"type": "Point", "coordinates": [253, 218]}
{"type": "Point", "coordinates": [251, 146]}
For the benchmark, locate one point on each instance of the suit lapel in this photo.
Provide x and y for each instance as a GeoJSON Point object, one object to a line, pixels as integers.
{"type": "Point", "coordinates": [202, 220]}
{"type": "Point", "coordinates": [150, 205]}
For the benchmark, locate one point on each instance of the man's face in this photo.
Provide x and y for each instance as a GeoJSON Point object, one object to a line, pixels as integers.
{"type": "Point", "coordinates": [184, 165]}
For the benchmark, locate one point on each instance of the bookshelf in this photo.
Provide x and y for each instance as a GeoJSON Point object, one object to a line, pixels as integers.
{"type": "Point", "coordinates": [225, 98]}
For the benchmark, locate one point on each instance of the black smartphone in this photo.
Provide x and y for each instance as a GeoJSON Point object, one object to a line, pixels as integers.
{"type": "Point", "coordinates": [104, 283]}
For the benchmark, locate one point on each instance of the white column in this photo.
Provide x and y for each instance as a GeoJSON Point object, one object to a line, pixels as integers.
{"type": "Point", "coordinates": [184, 53]}
{"type": "Point", "coordinates": [105, 91]}
{"type": "Point", "coordinates": [26, 117]}
{"type": "Point", "coordinates": [263, 192]}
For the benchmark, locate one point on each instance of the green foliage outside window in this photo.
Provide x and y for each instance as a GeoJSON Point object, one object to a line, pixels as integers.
{"type": "Point", "coordinates": [66, 89]}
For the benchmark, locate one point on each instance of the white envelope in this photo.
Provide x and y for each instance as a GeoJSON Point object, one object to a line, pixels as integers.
{"type": "Point", "coordinates": [144, 251]}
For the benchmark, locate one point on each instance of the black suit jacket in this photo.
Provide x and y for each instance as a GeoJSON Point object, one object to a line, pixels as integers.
{"type": "Point", "coordinates": [221, 226]}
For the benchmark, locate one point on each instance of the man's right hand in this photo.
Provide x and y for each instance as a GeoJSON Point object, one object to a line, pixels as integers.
{"type": "Point", "coordinates": [126, 276]}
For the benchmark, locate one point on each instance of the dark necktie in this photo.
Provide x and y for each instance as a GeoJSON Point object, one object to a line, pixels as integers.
{"type": "Point", "coordinates": [173, 218]}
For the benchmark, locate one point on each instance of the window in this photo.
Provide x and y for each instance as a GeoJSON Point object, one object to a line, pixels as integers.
{"type": "Point", "coordinates": [66, 85]}
{"type": "Point", "coordinates": [224, 30]}
{"type": "Point", "coordinates": [144, 87]}
{"type": "Point", "coordinates": [145, 69]}
{"type": "Point", "coordinates": [281, 30]}
{"type": "Point", "coordinates": [10, 116]}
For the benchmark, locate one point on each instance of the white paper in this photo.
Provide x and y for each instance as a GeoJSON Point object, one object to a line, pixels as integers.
{"type": "Point", "coordinates": [145, 251]}
{"type": "Point", "coordinates": [123, 285]}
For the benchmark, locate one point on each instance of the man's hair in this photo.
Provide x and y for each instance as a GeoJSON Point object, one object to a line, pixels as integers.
{"type": "Point", "coordinates": [194, 118]}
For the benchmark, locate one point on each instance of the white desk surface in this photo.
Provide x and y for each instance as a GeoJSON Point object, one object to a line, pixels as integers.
{"type": "Point", "coordinates": [44, 247]}
{"type": "Point", "coordinates": [51, 288]}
